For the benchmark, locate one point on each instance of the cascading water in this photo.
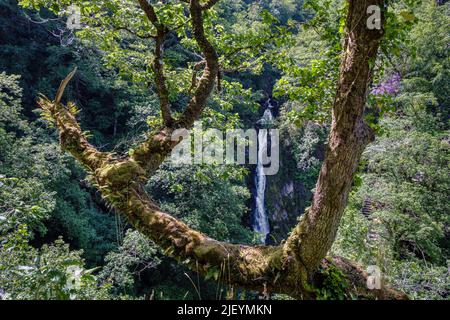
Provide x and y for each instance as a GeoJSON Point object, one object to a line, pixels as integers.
{"type": "Point", "coordinates": [260, 219]}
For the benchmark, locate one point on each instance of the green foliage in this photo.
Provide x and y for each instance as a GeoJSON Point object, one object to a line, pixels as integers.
{"type": "Point", "coordinates": [40, 187]}
{"type": "Point", "coordinates": [51, 273]}
{"type": "Point", "coordinates": [409, 186]}
{"type": "Point", "coordinates": [10, 103]}
{"type": "Point", "coordinates": [307, 145]}
{"type": "Point", "coordinates": [24, 201]}
{"type": "Point", "coordinates": [427, 61]}
{"type": "Point", "coordinates": [218, 212]}
{"type": "Point", "coordinates": [351, 241]}
{"type": "Point", "coordinates": [334, 285]}
{"type": "Point", "coordinates": [406, 179]}
{"type": "Point", "coordinates": [135, 255]}
{"type": "Point", "coordinates": [104, 98]}
{"type": "Point", "coordinates": [254, 39]}
{"type": "Point", "coordinates": [400, 19]}
{"type": "Point", "coordinates": [23, 197]}
{"type": "Point", "coordinates": [421, 281]}
{"type": "Point", "coordinates": [122, 32]}
{"type": "Point", "coordinates": [310, 65]}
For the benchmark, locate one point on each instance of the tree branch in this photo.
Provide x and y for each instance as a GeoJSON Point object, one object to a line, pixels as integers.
{"type": "Point", "coordinates": [158, 63]}
{"type": "Point", "coordinates": [206, 83]}
{"type": "Point", "coordinates": [195, 70]}
{"type": "Point", "coordinates": [160, 79]}
{"type": "Point", "coordinates": [71, 137]}
{"type": "Point", "coordinates": [152, 152]}
{"type": "Point", "coordinates": [150, 12]}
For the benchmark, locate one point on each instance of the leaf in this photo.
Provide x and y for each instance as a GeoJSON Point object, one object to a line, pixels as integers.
{"type": "Point", "coordinates": [408, 16]}
{"type": "Point", "coordinates": [71, 262]}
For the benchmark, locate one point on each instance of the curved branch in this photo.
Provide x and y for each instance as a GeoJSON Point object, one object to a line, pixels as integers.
{"type": "Point", "coordinates": [63, 85]}
{"type": "Point", "coordinates": [71, 137]}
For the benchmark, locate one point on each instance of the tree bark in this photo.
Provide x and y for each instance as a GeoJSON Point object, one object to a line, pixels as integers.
{"type": "Point", "coordinates": [294, 268]}
{"type": "Point", "coordinates": [313, 236]}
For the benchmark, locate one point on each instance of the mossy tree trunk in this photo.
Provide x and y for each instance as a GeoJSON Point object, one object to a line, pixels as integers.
{"type": "Point", "coordinates": [296, 267]}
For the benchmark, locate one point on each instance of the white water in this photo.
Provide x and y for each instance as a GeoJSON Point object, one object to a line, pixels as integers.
{"type": "Point", "coordinates": [260, 219]}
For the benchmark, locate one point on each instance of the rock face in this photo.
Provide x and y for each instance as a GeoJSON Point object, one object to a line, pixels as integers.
{"type": "Point", "coordinates": [289, 192]}
{"type": "Point", "coordinates": [285, 207]}
{"type": "Point", "coordinates": [286, 198]}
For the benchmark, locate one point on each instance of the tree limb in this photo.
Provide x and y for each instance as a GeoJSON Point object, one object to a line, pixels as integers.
{"type": "Point", "coordinates": [160, 79]}
{"type": "Point", "coordinates": [207, 81]}
{"type": "Point", "coordinates": [158, 63]}
{"type": "Point", "coordinates": [150, 12]}
{"type": "Point", "coordinates": [152, 152]}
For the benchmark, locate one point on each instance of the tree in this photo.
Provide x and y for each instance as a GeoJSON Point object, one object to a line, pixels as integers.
{"type": "Point", "coordinates": [397, 216]}
{"type": "Point", "coordinates": [297, 267]}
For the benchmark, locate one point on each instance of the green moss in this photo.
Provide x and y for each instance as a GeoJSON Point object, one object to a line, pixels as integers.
{"type": "Point", "coordinates": [120, 173]}
{"type": "Point", "coordinates": [276, 260]}
{"type": "Point", "coordinates": [210, 251]}
{"type": "Point", "coordinates": [333, 286]}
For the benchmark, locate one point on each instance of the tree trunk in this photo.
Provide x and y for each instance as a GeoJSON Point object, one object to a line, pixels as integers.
{"type": "Point", "coordinates": [312, 238]}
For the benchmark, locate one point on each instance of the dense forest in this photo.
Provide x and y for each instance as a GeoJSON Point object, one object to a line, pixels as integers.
{"type": "Point", "coordinates": [92, 208]}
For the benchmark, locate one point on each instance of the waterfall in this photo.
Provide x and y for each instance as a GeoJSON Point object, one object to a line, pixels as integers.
{"type": "Point", "coordinates": [260, 219]}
